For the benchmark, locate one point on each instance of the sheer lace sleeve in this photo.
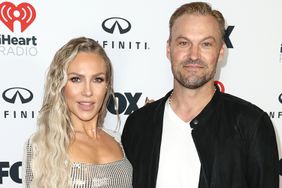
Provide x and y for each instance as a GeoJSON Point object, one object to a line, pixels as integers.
{"type": "Point", "coordinates": [26, 165]}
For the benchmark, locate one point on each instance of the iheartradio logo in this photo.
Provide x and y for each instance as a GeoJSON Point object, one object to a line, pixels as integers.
{"type": "Point", "coordinates": [23, 13]}
{"type": "Point", "coordinates": [220, 86]}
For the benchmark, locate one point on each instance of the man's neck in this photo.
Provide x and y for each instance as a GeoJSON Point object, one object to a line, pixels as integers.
{"type": "Point", "coordinates": [188, 103]}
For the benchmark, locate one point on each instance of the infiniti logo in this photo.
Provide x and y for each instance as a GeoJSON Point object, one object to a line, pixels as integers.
{"type": "Point", "coordinates": [24, 95]}
{"type": "Point", "coordinates": [110, 24]}
{"type": "Point", "coordinates": [280, 98]}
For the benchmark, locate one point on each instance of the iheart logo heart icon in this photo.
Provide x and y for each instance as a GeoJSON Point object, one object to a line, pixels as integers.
{"type": "Point", "coordinates": [24, 13]}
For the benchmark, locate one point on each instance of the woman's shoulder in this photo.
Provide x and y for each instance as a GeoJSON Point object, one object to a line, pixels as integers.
{"type": "Point", "coordinates": [28, 141]}
{"type": "Point", "coordinates": [27, 147]}
{"type": "Point", "coordinates": [115, 134]}
{"type": "Point", "coordinates": [29, 144]}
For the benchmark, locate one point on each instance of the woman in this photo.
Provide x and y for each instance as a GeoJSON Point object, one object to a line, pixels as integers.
{"type": "Point", "coordinates": [70, 147]}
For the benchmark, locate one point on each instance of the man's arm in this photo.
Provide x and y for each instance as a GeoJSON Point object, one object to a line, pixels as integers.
{"type": "Point", "coordinates": [263, 168]}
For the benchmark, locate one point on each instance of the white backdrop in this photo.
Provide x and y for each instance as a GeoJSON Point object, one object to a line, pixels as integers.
{"type": "Point", "coordinates": [252, 69]}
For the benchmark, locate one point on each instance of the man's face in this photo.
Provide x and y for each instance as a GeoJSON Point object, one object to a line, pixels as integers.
{"type": "Point", "coordinates": [194, 49]}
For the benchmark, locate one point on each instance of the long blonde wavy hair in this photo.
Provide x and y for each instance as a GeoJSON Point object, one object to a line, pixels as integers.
{"type": "Point", "coordinates": [50, 165]}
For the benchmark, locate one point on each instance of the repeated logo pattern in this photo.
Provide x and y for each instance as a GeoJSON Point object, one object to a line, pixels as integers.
{"type": "Point", "coordinates": [24, 95]}
{"type": "Point", "coordinates": [24, 13]}
{"type": "Point", "coordinates": [220, 86]}
{"type": "Point", "coordinates": [109, 25]}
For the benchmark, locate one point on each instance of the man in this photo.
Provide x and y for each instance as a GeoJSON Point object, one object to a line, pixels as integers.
{"type": "Point", "coordinates": [197, 136]}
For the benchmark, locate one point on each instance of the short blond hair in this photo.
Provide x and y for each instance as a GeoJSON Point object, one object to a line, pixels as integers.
{"type": "Point", "coordinates": [198, 8]}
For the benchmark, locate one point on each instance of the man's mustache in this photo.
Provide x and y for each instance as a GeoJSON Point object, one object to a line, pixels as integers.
{"type": "Point", "coordinates": [194, 62]}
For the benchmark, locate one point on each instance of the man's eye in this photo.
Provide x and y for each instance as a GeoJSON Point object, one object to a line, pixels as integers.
{"type": "Point", "coordinates": [207, 44]}
{"type": "Point", "coordinates": [183, 43]}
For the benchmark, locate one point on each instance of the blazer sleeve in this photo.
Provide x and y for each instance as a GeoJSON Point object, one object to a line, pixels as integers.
{"type": "Point", "coordinates": [263, 159]}
{"type": "Point", "coordinates": [125, 137]}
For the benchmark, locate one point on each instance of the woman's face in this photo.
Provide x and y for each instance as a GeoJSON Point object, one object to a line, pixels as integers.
{"type": "Point", "coordinates": [86, 87]}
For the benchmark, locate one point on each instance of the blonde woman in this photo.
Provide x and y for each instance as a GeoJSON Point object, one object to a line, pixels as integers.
{"type": "Point", "coordinates": [71, 148]}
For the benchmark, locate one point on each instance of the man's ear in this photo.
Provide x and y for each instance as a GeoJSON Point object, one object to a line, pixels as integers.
{"type": "Point", "coordinates": [168, 49]}
{"type": "Point", "coordinates": [221, 52]}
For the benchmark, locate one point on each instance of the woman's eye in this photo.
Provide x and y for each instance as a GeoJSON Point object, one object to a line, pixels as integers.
{"type": "Point", "coordinates": [99, 79]}
{"type": "Point", "coordinates": [75, 79]}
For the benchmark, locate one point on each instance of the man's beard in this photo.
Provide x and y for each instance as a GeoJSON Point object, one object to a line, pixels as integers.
{"type": "Point", "coordinates": [192, 81]}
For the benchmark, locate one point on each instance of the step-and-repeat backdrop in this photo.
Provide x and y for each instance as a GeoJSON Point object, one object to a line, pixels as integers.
{"type": "Point", "coordinates": [32, 31]}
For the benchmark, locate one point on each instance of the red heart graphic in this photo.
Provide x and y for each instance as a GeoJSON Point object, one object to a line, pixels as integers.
{"type": "Point", "coordinates": [24, 13]}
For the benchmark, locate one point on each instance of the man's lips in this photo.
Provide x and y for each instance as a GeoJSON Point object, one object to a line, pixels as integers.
{"type": "Point", "coordinates": [193, 66]}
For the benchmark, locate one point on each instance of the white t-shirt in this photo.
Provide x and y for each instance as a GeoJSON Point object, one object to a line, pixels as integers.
{"type": "Point", "coordinates": [179, 164]}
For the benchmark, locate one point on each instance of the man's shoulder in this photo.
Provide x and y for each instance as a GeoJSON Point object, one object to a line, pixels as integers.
{"type": "Point", "coordinates": [237, 104]}
{"type": "Point", "coordinates": [244, 115]}
{"type": "Point", "coordinates": [149, 108]}
{"type": "Point", "coordinates": [144, 116]}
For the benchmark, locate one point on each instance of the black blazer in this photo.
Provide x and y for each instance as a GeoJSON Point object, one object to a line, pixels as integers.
{"type": "Point", "coordinates": [235, 141]}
